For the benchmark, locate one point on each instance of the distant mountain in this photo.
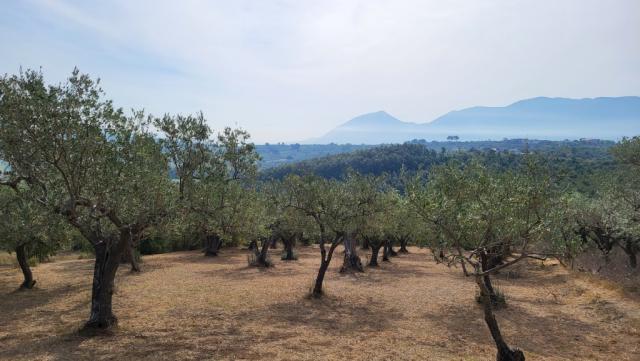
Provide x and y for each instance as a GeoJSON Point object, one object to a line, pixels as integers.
{"type": "Point", "coordinates": [371, 128]}
{"type": "Point", "coordinates": [536, 118]}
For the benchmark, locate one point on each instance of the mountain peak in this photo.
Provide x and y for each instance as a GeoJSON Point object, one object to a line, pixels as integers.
{"type": "Point", "coordinates": [375, 119]}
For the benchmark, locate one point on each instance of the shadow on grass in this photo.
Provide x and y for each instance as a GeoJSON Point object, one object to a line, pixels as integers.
{"type": "Point", "coordinates": [329, 314]}
{"type": "Point", "coordinates": [557, 335]}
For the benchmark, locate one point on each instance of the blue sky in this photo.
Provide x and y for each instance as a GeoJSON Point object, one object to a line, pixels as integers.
{"type": "Point", "coordinates": [291, 70]}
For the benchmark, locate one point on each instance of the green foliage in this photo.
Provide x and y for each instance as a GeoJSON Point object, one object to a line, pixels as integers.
{"type": "Point", "coordinates": [24, 222]}
{"type": "Point", "coordinates": [572, 163]}
{"type": "Point", "coordinates": [216, 180]}
{"type": "Point", "coordinates": [472, 207]}
{"type": "Point", "coordinates": [155, 246]}
{"type": "Point", "coordinates": [82, 157]}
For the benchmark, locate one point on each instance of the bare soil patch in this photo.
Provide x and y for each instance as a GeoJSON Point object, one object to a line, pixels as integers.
{"type": "Point", "coordinates": [184, 306]}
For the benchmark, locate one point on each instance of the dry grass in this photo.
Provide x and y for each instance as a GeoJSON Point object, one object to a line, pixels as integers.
{"type": "Point", "coordinates": [7, 259]}
{"type": "Point", "coordinates": [188, 307]}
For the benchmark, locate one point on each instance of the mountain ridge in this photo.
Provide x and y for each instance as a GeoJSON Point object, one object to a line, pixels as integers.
{"type": "Point", "coordinates": [540, 117]}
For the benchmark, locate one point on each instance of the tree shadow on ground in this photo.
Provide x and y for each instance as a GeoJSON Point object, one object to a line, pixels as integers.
{"type": "Point", "coordinates": [556, 335]}
{"type": "Point", "coordinates": [329, 314]}
{"type": "Point", "coordinates": [17, 304]}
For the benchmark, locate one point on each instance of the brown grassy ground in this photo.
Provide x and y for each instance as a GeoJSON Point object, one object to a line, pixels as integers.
{"type": "Point", "coordinates": [186, 307]}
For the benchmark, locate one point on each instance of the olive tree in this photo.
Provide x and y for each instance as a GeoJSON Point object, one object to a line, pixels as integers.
{"type": "Point", "coordinates": [286, 223]}
{"type": "Point", "coordinates": [610, 218]}
{"type": "Point", "coordinates": [336, 208]}
{"type": "Point", "coordinates": [27, 229]}
{"type": "Point", "coordinates": [216, 177]}
{"type": "Point", "coordinates": [483, 214]}
{"type": "Point", "coordinates": [86, 160]}
{"type": "Point", "coordinates": [606, 221]}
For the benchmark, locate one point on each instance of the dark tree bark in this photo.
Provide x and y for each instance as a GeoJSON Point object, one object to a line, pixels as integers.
{"type": "Point", "coordinates": [365, 243]}
{"type": "Point", "coordinates": [212, 245]}
{"type": "Point", "coordinates": [385, 252]}
{"type": "Point", "coordinates": [325, 260]}
{"type": "Point", "coordinates": [262, 253]}
{"type": "Point", "coordinates": [352, 261]}
{"type": "Point", "coordinates": [390, 251]}
{"type": "Point", "coordinates": [438, 255]}
{"type": "Point", "coordinates": [288, 247]}
{"type": "Point", "coordinates": [317, 288]}
{"type": "Point", "coordinates": [23, 261]}
{"type": "Point", "coordinates": [631, 249]}
{"type": "Point", "coordinates": [495, 255]}
{"type": "Point", "coordinates": [633, 262]}
{"type": "Point", "coordinates": [108, 255]}
{"type": "Point", "coordinates": [274, 243]}
{"type": "Point", "coordinates": [375, 249]}
{"type": "Point", "coordinates": [403, 245]}
{"type": "Point", "coordinates": [505, 353]}
{"type": "Point", "coordinates": [484, 259]}
{"type": "Point", "coordinates": [129, 256]}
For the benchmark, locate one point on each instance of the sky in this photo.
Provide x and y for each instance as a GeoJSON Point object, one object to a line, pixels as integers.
{"type": "Point", "coordinates": [290, 70]}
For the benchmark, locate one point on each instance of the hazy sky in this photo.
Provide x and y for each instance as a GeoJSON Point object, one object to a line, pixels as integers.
{"type": "Point", "coordinates": [290, 70]}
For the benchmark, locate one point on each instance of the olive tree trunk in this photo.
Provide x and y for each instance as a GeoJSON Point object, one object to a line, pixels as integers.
{"type": "Point", "coordinates": [631, 249]}
{"type": "Point", "coordinates": [352, 261]}
{"type": "Point", "coordinates": [403, 245]}
{"type": "Point", "coordinates": [212, 245]}
{"type": "Point", "coordinates": [375, 249]}
{"type": "Point", "coordinates": [129, 256]}
{"type": "Point", "coordinates": [385, 252]}
{"type": "Point", "coordinates": [261, 254]}
{"type": "Point", "coordinates": [288, 248]}
{"type": "Point", "coordinates": [484, 259]}
{"type": "Point", "coordinates": [23, 261]}
{"type": "Point", "coordinates": [108, 255]}
{"type": "Point", "coordinates": [325, 260]}
{"type": "Point", "coordinates": [505, 353]}
{"type": "Point", "coordinates": [389, 248]}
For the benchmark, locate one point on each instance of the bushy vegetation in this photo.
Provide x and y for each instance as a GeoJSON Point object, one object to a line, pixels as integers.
{"type": "Point", "coordinates": [76, 166]}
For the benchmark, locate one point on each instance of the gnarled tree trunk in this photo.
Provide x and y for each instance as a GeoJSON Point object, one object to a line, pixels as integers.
{"type": "Point", "coordinates": [262, 253]}
{"type": "Point", "coordinates": [23, 261]}
{"type": "Point", "coordinates": [108, 255]}
{"type": "Point", "coordinates": [317, 288]}
{"type": "Point", "coordinates": [390, 251]}
{"type": "Point", "coordinates": [484, 258]}
{"type": "Point", "coordinates": [496, 255]}
{"type": "Point", "coordinates": [375, 249]}
{"type": "Point", "coordinates": [325, 260]}
{"type": "Point", "coordinates": [352, 261]}
{"type": "Point", "coordinates": [212, 245]}
{"type": "Point", "coordinates": [631, 249]}
{"type": "Point", "coordinates": [403, 245]}
{"type": "Point", "coordinates": [505, 353]}
{"type": "Point", "coordinates": [288, 248]}
{"type": "Point", "coordinates": [129, 256]}
{"type": "Point", "coordinates": [385, 252]}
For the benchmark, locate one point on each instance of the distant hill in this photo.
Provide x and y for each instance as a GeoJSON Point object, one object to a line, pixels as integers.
{"type": "Point", "coordinates": [536, 118]}
{"type": "Point", "coordinates": [273, 155]}
{"type": "Point", "coordinates": [577, 156]}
